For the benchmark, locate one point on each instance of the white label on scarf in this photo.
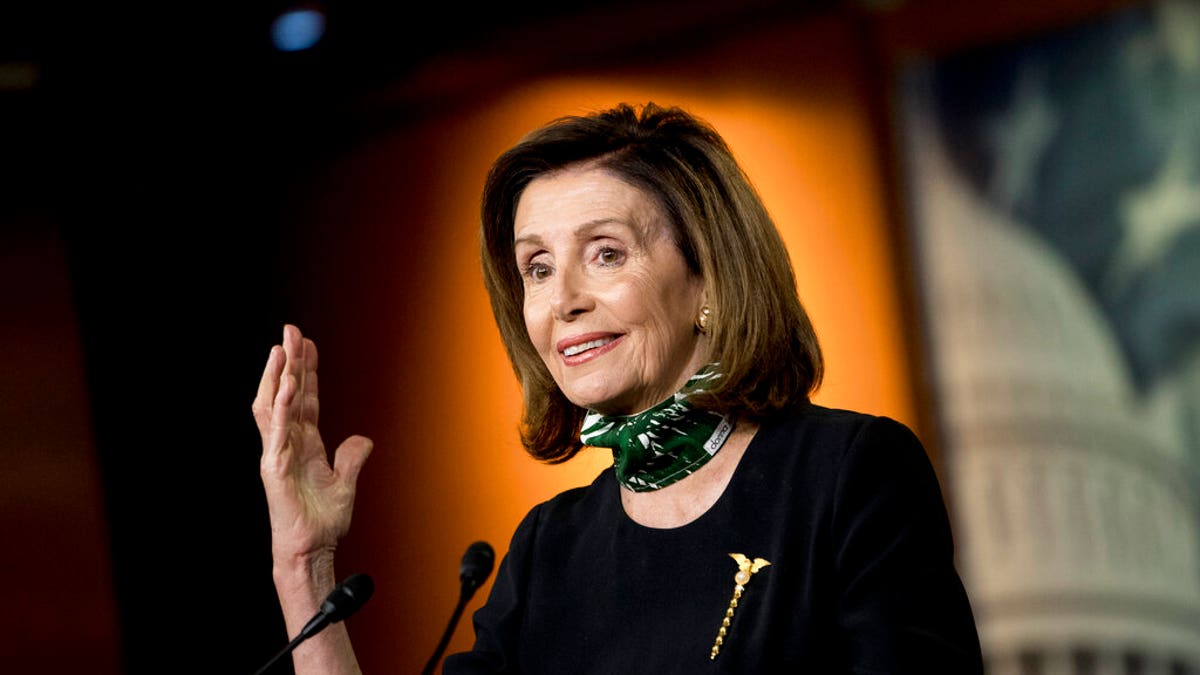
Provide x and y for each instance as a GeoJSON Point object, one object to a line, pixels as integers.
{"type": "Point", "coordinates": [719, 434]}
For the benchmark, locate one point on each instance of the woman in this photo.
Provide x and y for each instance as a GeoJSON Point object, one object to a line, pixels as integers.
{"type": "Point", "coordinates": [648, 305]}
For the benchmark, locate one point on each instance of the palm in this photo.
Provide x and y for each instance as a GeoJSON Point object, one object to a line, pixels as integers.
{"type": "Point", "coordinates": [310, 500]}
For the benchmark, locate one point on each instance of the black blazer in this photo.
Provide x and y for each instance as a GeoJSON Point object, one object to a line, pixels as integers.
{"type": "Point", "coordinates": [847, 509]}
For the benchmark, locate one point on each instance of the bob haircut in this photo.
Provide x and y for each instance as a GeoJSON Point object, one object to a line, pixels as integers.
{"type": "Point", "coordinates": [759, 332]}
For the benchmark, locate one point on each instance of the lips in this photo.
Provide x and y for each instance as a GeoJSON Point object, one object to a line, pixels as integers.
{"type": "Point", "coordinates": [581, 348]}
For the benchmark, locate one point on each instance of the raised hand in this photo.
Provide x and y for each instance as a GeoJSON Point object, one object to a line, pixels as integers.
{"type": "Point", "coordinates": [310, 500]}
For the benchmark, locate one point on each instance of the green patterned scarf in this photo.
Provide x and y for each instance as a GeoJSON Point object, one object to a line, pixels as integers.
{"type": "Point", "coordinates": [664, 444]}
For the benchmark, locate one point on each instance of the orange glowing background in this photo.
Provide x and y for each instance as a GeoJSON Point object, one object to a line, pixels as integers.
{"type": "Point", "coordinates": [449, 468]}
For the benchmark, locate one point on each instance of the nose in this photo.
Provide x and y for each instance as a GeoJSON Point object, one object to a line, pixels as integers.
{"type": "Point", "coordinates": [571, 297]}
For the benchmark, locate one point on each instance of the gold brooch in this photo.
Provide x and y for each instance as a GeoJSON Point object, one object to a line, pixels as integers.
{"type": "Point", "coordinates": [746, 569]}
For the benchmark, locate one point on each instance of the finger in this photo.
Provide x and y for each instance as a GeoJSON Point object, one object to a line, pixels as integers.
{"type": "Point", "coordinates": [310, 408]}
{"type": "Point", "coordinates": [293, 348]}
{"type": "Point", "coordinates": [267, 386]}
{"type": "Point", "coordinates": [275, 440]}
{"type": "Point", "coordinates": [310, 354]}
{"type": "Point", "coordinates": [349, 458]}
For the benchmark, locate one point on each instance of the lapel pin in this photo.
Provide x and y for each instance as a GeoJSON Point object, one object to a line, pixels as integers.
{"type": "Point", "coordinates": [747, 568]}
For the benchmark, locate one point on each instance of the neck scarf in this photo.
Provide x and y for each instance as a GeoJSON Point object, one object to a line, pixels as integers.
{"type": "Point", "coordinates": [664, 444]}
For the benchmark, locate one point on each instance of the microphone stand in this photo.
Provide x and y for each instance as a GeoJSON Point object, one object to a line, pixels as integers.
{"type": "Point", "coordinates": [463, 597]}
{"type": "Point", "coordinates": [345, 599]}
{"type": "Point", "coordinates": [284, 652]}
{"type": "Point", "coordinates": [476, 566]}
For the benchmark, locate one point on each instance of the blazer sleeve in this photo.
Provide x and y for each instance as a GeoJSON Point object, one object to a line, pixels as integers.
{"type": "Point", "coordinates": [902, 606]}
{"type": "Point", "coordinates": [498, 622]}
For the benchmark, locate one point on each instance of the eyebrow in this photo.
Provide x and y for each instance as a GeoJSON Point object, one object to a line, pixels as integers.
{"type": "Point", "coordinates": [580, 232]}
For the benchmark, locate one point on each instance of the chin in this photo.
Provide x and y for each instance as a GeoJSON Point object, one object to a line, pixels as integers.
{"type": "Point", "coordinates": [590, 403]}
{"type": "Point", "coordinates": [593, 400]}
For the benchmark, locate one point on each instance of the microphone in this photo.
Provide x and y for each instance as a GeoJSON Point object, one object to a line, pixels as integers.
{"type": "Point", "coordinates": [345, 599]}
{"type": "Point", "coordinates": [476, 565]}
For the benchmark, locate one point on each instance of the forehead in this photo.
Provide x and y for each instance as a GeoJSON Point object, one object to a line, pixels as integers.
{"type": "Point", "coordinates": [567, 199]}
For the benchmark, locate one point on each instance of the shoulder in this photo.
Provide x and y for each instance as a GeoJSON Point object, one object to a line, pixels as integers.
{"type": "Point", "coordinates": [828, 455]}
{"type": "Point", "coordinates": [813, 418]}
{"type": "Point", "coordinates": [832, 434]}
{"type": "Point", "coordinates": [571, 510]}
{"type": "Point", "coordinates": [866, 468]}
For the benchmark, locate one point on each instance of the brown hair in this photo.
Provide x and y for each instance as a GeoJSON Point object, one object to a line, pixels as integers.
{"type": "Point", "coordinates": [759, 331]}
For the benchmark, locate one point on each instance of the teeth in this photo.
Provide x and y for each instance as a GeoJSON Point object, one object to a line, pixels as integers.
{"type": "Point", "coordinates": [583, 347]}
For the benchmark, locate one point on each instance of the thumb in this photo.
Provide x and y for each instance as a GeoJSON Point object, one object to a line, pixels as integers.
{"type": "Point", "coordinates": [350, 456]}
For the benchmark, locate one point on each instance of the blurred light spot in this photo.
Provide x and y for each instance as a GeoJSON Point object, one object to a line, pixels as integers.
{"type": "Point", "coordinates": [297, 29]}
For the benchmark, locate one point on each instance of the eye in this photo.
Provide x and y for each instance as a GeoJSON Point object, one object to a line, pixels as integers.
{"type": "Point", "coordinates": [536, 271]}
{"type": "Point", "coordinates": [609, 256]}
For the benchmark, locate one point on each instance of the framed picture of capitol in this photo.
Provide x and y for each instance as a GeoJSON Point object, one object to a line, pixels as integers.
{"type": "Point", "coordinates": [1052, 195]}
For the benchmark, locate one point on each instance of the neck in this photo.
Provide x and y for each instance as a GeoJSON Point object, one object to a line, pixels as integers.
{"type": "Point", "coordinates": [664, 444]}
{"type": "Point", "coordinates": [686, 500]}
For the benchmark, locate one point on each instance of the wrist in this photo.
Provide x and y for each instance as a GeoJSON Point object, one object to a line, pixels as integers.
{"type": "Point", "coordinates": [311, 572]}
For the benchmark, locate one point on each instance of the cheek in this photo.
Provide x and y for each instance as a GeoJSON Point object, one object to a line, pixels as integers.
{"type": "Point", "coordinates": [535, 326]}
{"type": "Point", "coordinates": [662, 308]}
{"type": "Point", "coordinates": [539, 325]}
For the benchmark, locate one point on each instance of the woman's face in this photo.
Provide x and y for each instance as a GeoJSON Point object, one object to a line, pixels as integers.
{"type": "Point", "coordinates": [610, 304]}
